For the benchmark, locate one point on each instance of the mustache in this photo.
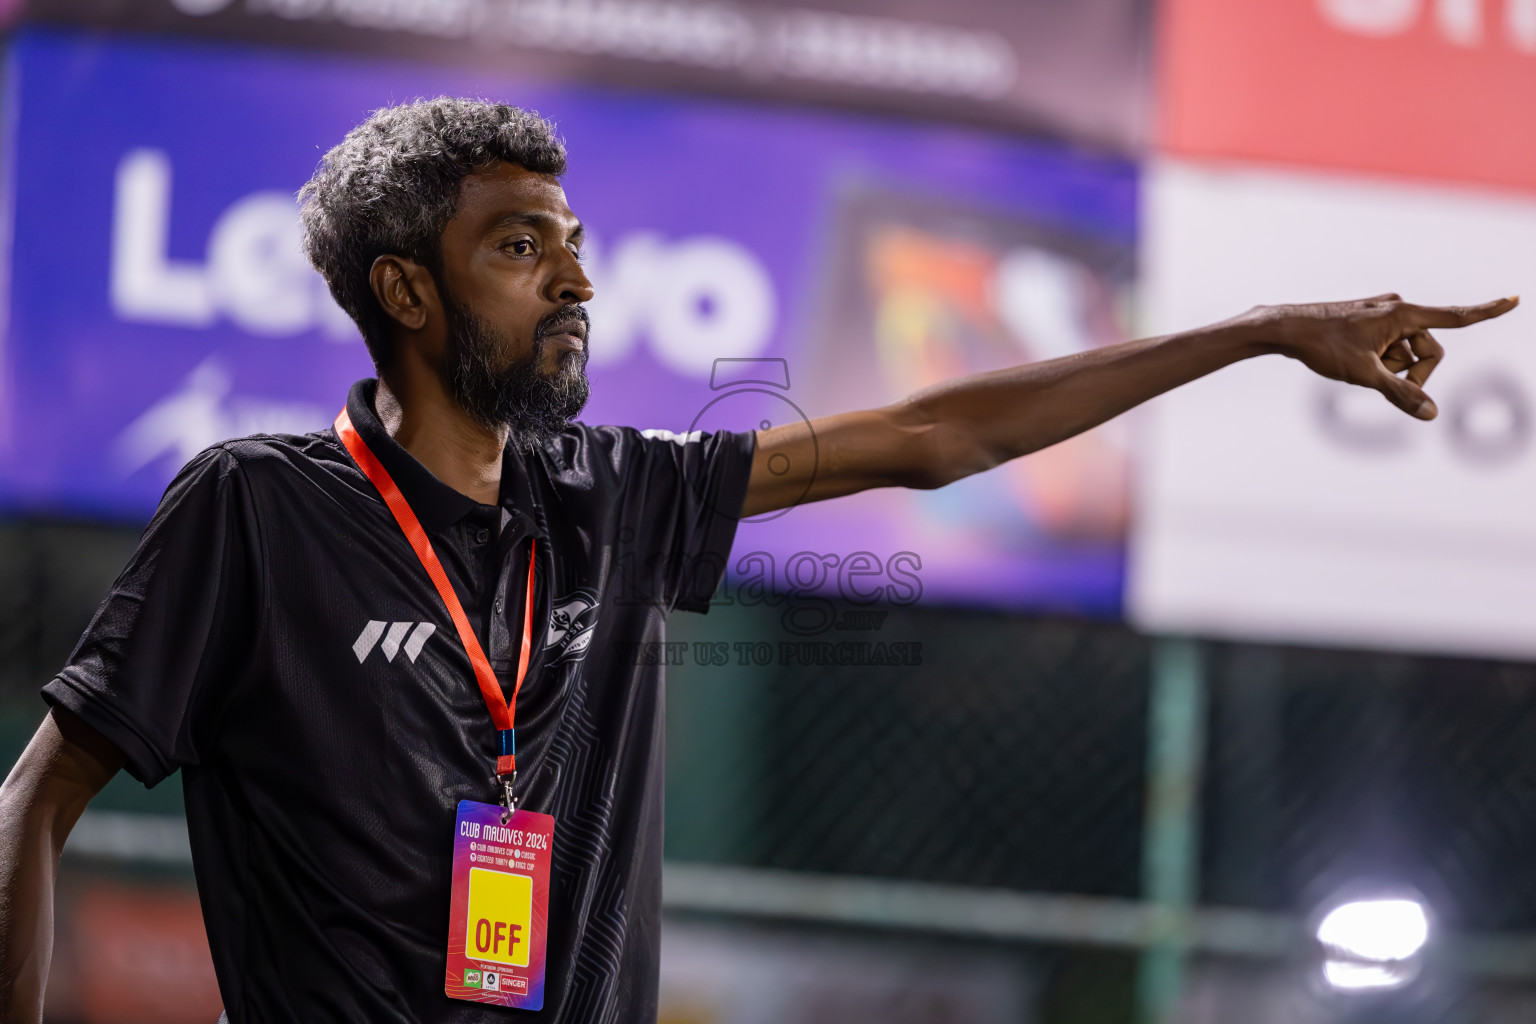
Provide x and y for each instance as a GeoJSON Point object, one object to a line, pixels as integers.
{"type": "Point", "coordinates": [564, 320]}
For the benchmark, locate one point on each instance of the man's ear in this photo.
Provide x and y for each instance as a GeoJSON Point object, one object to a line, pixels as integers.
{"type": "Point", "coordinates": [405, 290]}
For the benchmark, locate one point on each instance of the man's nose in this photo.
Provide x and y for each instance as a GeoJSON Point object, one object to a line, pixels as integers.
{"type": "Point", "coordinates": [570, 284]}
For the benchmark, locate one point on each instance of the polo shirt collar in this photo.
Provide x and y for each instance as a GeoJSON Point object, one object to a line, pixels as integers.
{"type": "Point", "coordinates": [437, 505]}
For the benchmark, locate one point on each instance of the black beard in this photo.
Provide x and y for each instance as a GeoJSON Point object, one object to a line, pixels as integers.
{"type": "Point", "coordinates": [533, 406]}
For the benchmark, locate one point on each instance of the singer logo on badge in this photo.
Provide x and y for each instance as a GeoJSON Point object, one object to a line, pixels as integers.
{"type": "Point", "coordinates": [500, 916]}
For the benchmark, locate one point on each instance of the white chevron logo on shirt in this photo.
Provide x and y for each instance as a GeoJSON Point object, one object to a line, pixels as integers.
{"type": "Point", "coordinates": [407, 636]}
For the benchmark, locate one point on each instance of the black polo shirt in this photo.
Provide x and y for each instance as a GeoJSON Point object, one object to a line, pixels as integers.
{"type": "Point", "coordinates": [276, 639]}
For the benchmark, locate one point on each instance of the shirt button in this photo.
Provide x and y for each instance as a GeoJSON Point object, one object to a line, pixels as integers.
{"type": "Point", "coordinates": [499, 606]}
{"type": "Point", "coordinates": [483, 536]}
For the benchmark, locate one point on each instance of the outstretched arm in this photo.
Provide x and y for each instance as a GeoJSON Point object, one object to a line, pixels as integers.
{"type": "Point", "coordinates": [63, 767]}
{"type": "Point", "coordinates": [970, 424]}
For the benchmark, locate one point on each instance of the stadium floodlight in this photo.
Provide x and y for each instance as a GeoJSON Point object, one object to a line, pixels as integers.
{"type": "Point", "coordinates": [1373, 944]}
{"type": "Point", "coordinates": [1349, 976]}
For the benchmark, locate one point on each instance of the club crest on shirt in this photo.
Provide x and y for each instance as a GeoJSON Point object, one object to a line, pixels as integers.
{"type": "Point", "coordinates": [570, 626]}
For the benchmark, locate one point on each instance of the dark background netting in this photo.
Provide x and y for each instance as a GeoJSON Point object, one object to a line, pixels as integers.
{"type": "Point", "coordinates": [1014, 756]}
{"type": "Point", "coordinates": [1326, 767]}
{"type": "Point", "coordinates": [1011, 757]}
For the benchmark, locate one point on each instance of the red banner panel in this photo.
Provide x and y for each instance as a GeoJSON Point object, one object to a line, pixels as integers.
{"type": "Point", "coordinates": [1428, 88]}
{"type": "Point", "coordinates": [133, 954]}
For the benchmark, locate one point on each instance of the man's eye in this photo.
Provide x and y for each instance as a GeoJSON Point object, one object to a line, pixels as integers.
{"type": "Point", "coordinates": [521, 247]}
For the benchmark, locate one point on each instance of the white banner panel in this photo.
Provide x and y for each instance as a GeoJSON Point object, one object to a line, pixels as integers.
{"type": "Point", "coordinates": [1275, 505]}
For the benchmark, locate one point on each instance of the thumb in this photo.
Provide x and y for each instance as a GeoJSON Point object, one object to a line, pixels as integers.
{"type": "Point", "coordinates": [1405, 394]}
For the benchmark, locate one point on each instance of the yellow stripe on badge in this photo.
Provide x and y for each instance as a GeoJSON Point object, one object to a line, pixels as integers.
{"type": "Point", "coordinates": [500, 916]}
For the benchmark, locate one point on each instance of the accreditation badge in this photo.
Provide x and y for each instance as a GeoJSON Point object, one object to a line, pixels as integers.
{"type": "Point", "coordinates": [500, 906]}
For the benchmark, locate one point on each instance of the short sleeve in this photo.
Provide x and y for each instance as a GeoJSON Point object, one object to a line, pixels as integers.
{"type": "Point", "coordinates": [177, 628]}
{"type": "Point", "coordinates": [692, 487]}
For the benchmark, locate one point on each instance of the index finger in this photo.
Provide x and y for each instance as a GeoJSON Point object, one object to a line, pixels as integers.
{"type": "Point", "coordinates": [1456, 316]}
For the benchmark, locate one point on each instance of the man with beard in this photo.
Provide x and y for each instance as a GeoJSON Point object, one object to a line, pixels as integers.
{"type": "Point", "coordinates": [328, 634]}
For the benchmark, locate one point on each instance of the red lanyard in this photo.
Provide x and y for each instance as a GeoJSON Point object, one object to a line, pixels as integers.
{"type": "Point", "coordinates": [503, 712]}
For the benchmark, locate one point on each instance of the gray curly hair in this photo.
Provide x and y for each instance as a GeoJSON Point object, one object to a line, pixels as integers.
{"type": "Point", "coordinates": [391, 186]}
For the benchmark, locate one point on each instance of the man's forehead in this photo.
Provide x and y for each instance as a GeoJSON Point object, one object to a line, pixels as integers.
{"type": "Point", "coordinates": [504, 190]}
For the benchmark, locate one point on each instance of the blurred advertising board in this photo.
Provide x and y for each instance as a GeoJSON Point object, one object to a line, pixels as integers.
{"type": "Point", "coordinates": [1335, 149]}
{"type": "Point", "coordinates": [159, 301]}
{"type": "Point", "coordinates": [131, 952]}
{"type": "Point", "coordinates": [1426, 88]}
{"type": "Point", "coordinates": [723, 974]}
{"type": "Point", "coordinates": [1276, 504]}
{"type": "Point", "coordinates": [1076, 69]}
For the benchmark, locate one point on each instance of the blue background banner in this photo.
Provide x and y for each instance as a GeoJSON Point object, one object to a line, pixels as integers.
{"type": "Point", "coordinates": [159, 301]}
